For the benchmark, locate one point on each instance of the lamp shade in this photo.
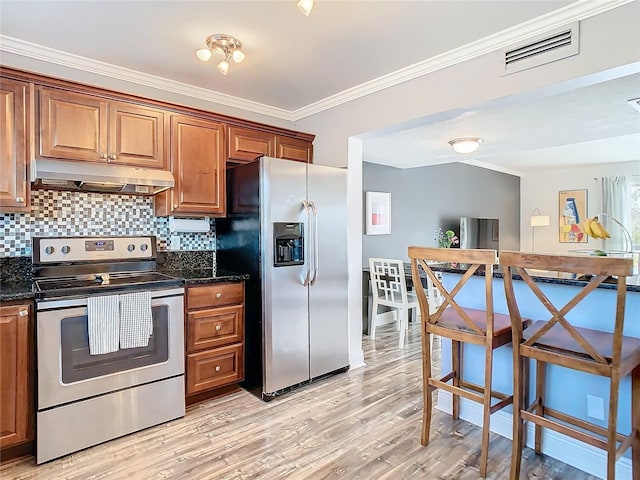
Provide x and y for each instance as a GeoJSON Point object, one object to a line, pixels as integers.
{"type": "Point", "coordinates": [540, 220]}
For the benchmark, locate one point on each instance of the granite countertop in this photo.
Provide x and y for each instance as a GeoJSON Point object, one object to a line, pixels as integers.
{"type": "Point", "coordinates": [25, 290]}
{"type": "Point", "coordinates": [633, 282]}
{"type": "Point", "coordinates": [194, 268]}
{"type": "Point", "coordinates": [196, 276]}
{"type": "Point", "coordinates": [16, 291]}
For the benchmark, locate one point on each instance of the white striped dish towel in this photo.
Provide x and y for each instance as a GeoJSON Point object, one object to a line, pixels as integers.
{"type": "Point", "coordinates": [103, 324]}
{"type": "Point", "coordinates": [136, 321]}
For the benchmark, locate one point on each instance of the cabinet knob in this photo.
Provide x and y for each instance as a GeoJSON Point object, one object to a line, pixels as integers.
{"type": "Point", "coordinates": [23, 313]}
{"type": "Point", "coordinates": [20, 199]}
{"type": "Point", "coordinates": [218, 328]}
{"type": "Point", "coordinates": [103, 155]}
{"type": "Point", "coordinates": [175, 205]}
{"type": "Point", "coordinates": [112, 156]}
{"type": "Point", "coordinates": [218, 295]}
{"type": "Point", "coordinates": [217, 368]}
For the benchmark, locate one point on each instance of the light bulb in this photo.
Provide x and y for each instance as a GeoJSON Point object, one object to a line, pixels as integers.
{"type": "Point", "coordinates": [238, 56]}
{"type": "Point", "coordinates": [305, 6]}
{"type": "Point", "coordinates": [204, 54]}
{"type": "Point", "coordinates": [223, 67]}
{"type": "Point", "coordinates": [465, 145]}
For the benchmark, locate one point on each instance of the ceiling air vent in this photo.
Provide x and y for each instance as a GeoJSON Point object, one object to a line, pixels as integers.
{"type": "Point", "coordinates": [560, 43]}
{"type": "Point", "coordinates": [635, 103]}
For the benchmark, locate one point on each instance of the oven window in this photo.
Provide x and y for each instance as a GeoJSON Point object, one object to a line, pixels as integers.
{"type": "Point", "coordinates": [78, 364]}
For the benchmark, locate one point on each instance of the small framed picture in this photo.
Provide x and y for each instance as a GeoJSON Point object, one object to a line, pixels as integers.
{"type": "Point", "coordinates": [572, 212]}
{"type": "Point", "coordinates": [378, 213]}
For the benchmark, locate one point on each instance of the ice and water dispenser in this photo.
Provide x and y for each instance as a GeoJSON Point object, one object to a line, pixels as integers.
{"type": "Point", "coordinates": [288, 244]}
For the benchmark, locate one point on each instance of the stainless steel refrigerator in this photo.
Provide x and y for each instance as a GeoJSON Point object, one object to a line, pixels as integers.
{"type": "Point", "coordinates": [287, 227]}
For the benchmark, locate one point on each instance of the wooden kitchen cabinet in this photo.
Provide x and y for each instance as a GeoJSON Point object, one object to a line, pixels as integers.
{"type": "Point", "coordinates": [214, 339]}
{"type": "Point", "coordinates": [245, 144]}
{"type": "Point", "coordinates": [16, 397]}
{"type": "Point", "coordinates": [84, 127]}
{"type": "Point", "coordinates": [14, 120]}
{"type": "Point", "coordinates": [198, 167]}
{"type": "Point", "coordinates": [294, 149]}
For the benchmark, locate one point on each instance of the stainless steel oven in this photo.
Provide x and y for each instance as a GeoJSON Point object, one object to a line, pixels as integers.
{"type": "Point", "coordinates": [84, 398]}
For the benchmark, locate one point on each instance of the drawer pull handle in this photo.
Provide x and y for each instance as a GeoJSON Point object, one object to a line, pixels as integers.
{"type": "Point", "coordinates": [218, 328]}
{"type": "Point", "coordinates": [217, 368]}
{"type": "Point", "coordinates": [20, 199]}
{"type": "Point", "coordinates": [23, 313]}
{"type": "Point", "coordinates": [218, 295]}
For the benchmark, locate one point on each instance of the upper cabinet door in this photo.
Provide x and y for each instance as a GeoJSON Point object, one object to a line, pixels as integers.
{"type": "Point", "coordinates": [246, 144]}
{"type": "Point", "coordinates": [76, 126]}
{"type": "Point", "coordinates": [198, 166]}
{"type": "Point", "coordinates": [14, 187]}
{"type": "Point", "coordinates": [294, 149]}
{"type": "Point", "coordinates": [72, 126]}
{"type": "Point", "coordinates": [136, 135]}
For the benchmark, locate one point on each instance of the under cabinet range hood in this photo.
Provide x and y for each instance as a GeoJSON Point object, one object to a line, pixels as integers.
{"type": "Point", "coordinates": [99, 177]}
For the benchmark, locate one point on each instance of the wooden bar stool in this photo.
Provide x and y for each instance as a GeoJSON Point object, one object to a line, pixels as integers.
{"type": "Point", "coordinates": [461, 325]}
{"type": "Point", "coordinates": [557, 341]}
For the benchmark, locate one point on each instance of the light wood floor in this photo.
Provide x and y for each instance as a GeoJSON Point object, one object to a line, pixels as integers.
{"type": "Point", "coordinates": [363, 424]}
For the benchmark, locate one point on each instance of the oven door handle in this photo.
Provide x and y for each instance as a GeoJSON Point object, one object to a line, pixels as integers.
{"type": "Point", "coordinates": [48, 304]}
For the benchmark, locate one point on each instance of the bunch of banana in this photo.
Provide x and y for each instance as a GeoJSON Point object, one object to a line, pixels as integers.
{"type": "Point", "coordinates": [592, 227]}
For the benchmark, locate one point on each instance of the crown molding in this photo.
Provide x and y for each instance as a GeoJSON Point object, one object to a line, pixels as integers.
{"type": "Point", "coordinates": [58, 57]}
{"type": "Point", "coordinates": [576, 11]}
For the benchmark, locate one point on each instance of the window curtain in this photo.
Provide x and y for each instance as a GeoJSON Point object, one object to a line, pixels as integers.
{"type": "Point", "coordinates": [616, 203]}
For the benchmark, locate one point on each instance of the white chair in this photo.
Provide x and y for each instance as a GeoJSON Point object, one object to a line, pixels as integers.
{"type": "Point", "coordinates": [389, 288]}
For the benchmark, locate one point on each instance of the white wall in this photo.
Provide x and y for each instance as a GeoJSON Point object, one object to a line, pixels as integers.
{"type": "Point", "coordinates": [540, 190]}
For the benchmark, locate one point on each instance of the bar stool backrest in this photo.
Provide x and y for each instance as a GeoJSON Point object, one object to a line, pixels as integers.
{"type": "Point", "coordinates": [582, 350]}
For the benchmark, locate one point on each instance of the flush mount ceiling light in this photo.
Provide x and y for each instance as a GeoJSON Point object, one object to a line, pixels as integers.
{"type": "Point", "coordinates": [305, 6]}
{"type": "Point", "coordinates": [465, 144]}
{"type": "Point", "coordinates": [225, 45]}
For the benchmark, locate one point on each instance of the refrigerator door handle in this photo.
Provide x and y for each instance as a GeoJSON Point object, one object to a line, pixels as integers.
{"type": "Point", "coordinates": [307, 247]}
{"type": "Point", "coordinates": [314, 210]}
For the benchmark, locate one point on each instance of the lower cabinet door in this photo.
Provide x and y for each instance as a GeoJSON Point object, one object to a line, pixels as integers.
{"type": "Point", "coordinates": [14, 348]}
{"type": "Point", "coordinates": [214, 368]}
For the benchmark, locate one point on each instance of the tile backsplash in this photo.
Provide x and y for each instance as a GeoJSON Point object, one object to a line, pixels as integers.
{"type": "Point", "coordinates": [55, 213]}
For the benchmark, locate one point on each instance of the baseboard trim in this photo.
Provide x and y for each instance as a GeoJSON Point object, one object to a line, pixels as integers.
{"type": "Point", "coordinates": [568, 450]}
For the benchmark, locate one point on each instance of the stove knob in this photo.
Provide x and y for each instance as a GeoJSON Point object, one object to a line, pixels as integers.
{"type": "Point", "coordinates": [49, 250]}
{"type": "Point", "coordinates": [144, 247]}
{"type": "Point", "coordinates": [66, 249]}
{"type": "Point", "coordinates": [131, 247]}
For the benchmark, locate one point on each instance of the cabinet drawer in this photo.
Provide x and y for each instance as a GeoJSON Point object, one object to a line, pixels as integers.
{"type": "Point", "coordinates": [214, 327]}
{"type": "Point", "coordinates": [215, 295]}
{"type": "Point", "coordinates": [214, 368]}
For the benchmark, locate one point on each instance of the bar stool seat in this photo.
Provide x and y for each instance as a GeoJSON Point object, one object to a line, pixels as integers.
{"type": "Point", "coordinates": [451, 319]}
{"type": "Point", "coordinates": [559, 339]}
